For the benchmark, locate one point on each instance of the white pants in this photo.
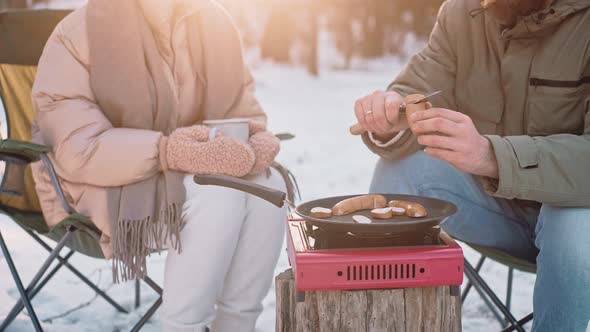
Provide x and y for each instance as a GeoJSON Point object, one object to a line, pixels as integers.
{"type": "Point", "coordinates": [230, 247]}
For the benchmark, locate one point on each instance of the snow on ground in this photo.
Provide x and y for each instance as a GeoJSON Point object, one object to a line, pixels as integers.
{"type": "Point", "coordinates": [326, 160]}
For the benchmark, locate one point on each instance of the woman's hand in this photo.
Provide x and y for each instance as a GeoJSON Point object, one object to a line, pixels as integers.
{"type": "Point", "coordinates": [452, 136]}
{"type": "Point", "coordinates": [189, 150]}
{"type": "Point", "coordinates": [379, 113]}
{"type": "Point", "coordinates": [266, 147]}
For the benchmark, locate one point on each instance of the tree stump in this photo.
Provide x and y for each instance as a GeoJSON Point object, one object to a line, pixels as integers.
{"type": "Point", "coordinates": [429, 309]}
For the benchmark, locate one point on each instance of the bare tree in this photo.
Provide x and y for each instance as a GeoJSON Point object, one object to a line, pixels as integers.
{"type": "Point", "coordinates": [313, 40]}
{"type": "Point", "coordinates": [278, 34]}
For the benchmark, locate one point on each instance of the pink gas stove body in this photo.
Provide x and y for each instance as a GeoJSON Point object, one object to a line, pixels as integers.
{"type": "Point", "coordinates": [372, 268]}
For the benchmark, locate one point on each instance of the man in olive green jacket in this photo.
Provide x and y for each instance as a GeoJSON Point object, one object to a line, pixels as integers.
{"type": "Point", "coordinates": [508, 140]}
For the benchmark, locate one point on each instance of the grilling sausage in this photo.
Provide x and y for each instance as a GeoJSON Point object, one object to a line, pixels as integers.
{"type": "Point", "coordinates": [413, 210]}
{"type": "Point", "coordinates": [416, 211]}
{"type": "Point", "coordinates": [400, 204]}
{"type": "Point", "coordinates": [320, 213]}
{"type": "Point", "coordinates": [359, 203]}
{"type": "Point", "coordinates": [398, 211]}
{"type": "Point", "coordinates": [384, 213]}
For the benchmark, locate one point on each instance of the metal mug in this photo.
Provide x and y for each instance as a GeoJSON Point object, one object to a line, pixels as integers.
{"type": "Point", "coordinates": [235, 128]}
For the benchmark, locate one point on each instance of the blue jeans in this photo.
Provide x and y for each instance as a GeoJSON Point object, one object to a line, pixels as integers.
{"type": "Point", "coordinates": [557, 239]}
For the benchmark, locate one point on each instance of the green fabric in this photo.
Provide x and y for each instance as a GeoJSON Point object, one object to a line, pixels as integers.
{"type": "Point", "coordinates": [30, 151]}
{"type": "Point", "coordinates": [503, 258]}
{"type": "Point", "coordinates": [84, 241]}
{"type": "Point", "coordinates": [32, 221]}
{"type": "Point", "coordinates": [527, 88]}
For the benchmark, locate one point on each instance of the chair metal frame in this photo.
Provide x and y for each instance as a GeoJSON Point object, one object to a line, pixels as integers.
{"type": "Point", "coordinates": [41, 278]}
{"type": "Point", "coordinates": [500, 310]}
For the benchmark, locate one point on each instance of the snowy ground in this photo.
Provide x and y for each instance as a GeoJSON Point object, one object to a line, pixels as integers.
{"type": "Point", "coordinates": [326, 160]}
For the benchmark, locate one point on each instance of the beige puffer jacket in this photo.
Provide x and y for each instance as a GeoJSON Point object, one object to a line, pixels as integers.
{"type": "Point", "coordinates": [87, 151]}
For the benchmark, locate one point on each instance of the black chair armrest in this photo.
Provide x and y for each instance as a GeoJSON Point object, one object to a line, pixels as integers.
{"type": "Point", "coordinates": [17, 155]}
{"type": "Point", "coordinates": [19, 151]}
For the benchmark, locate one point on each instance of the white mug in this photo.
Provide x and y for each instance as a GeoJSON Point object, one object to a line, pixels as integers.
{"type": "Point", "coordinates": [235, 128]}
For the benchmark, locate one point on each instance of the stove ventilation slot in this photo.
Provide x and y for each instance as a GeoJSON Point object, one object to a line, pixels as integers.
{"type": "Point", "coordinates": [380, 272]}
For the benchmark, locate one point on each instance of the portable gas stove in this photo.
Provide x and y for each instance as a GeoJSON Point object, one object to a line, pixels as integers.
{"type": "Point", "coordinates": [323, 260]}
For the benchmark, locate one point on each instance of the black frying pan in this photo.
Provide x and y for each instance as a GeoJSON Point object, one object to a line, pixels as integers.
{"type": "Point", "coordinates": [438, 210]}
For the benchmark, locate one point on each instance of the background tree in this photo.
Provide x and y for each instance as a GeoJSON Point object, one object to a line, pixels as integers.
{"type": "Point", "coordinates": [6, 4]}
{"type": "Point", "coordinates": [278, 35]}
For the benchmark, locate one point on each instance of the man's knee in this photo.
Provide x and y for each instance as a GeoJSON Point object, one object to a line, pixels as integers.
{"type": "Point", "coordinates": [407, 175]}
{"type": "Point", "coordinates": [562, 291]}
{"type": "Point", "coordinates": [562, 239]}
{"type": "Point", "coordinates": [564, 231]}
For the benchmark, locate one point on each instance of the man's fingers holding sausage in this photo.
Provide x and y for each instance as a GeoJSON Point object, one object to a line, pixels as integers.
{"type": "Point", "coordinates": [379, 113]}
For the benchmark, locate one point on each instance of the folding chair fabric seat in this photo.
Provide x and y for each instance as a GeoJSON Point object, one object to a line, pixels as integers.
{"type": "Point", "coordinates": [84, 241]}
{"type": "Point", "coordinates": [505, 259]}
{"type": "Point", "coordinates": [28, 220]}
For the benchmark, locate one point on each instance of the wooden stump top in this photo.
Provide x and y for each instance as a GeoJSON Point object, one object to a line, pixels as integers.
{"type": "Point", "coordinates": [412, 309]}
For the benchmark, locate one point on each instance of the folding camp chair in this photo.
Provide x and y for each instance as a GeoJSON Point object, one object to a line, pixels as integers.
{"type": "Point", "coordinates": [500, 310]}
{"type": "Point", "coordinates": [23, 35]}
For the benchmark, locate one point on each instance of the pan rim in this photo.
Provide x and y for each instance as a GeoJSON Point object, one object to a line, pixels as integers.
{"type": "Point", "coordinates": [381, 226]}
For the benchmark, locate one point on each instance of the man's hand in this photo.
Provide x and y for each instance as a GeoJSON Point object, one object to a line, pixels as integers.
{"type": "Point", "coordinates": [379, 113]}
{"type": "Point", "coordinates": [452, 136]}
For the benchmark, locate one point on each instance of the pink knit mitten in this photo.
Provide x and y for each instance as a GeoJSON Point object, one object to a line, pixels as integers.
{"type": "Point", "coordinates": [257, 127]}
{"type": "Point", "coordinates": [265, 145]}
{"type": "Point", "coordinates": [189, 150]}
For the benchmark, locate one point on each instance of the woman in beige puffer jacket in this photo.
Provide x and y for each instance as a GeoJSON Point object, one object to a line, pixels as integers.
{"type": "Point", "coordinates": [230, 241]}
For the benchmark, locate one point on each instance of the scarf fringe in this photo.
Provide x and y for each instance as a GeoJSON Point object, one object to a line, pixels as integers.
{"type": "Point", "coordinates": [134, 240]}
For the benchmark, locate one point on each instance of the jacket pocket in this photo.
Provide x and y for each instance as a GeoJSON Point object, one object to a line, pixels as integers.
{"type": "Point", "coordinates": [526, 151]}
{"type": "Point", "coordinates": [556, 106]}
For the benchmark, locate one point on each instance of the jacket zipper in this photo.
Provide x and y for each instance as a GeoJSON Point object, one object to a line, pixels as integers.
{"type": "Point", "coordinates": [533, 81]}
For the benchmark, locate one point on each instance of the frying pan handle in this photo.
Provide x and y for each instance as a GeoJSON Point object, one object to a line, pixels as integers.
{"type": "Point", "coordinates": [273, 196]}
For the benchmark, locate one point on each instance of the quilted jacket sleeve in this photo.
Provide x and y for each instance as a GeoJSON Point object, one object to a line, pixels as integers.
{"type": "Point", "coordinates": [549, 169]}
{"type": "Point", "coordinates": [85, 146]}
